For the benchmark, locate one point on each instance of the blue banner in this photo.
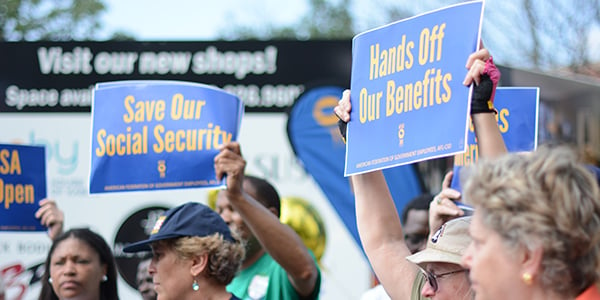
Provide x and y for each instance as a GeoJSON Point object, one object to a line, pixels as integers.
{"type": "Point", "coordinates": [314, 135]}
{"type": "Point", "coordinates": [22, 186]}
{"type": "Point", "coordinates": [408, 100]}
{"type": "Point", "coordinates": [149, 135]}
{"type": "Point", "coordinates": [518, 109]}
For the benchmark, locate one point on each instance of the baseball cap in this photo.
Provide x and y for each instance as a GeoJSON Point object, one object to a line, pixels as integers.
{"type": "Point", "coordinates": [189, 219]}
{"type": "Point", "coordinates": [448, 244]}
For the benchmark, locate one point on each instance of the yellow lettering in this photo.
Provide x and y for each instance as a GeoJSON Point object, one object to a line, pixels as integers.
{"type": "Point", "coordinates": [159, 146]}
{"type": "Point", "coordinates": [12, 167]}
{"type": "Point", "coordinates": [16, 193]}
{"type": "Point", "coordinates": [100, 151]}
{"type": "Point", "coordinates": [389, 98]}
{"type": "Point", "coordinates": [169, 139]}
{"type": "Point", "coordinates": [123, 143]}
{"type": "Point", "coordinates": [448, 95]}
{"type": "Point", "coordinates": [429, 42]}
{"type": "Point", "coordinates": [503, 124]}
{"type": "Point", "coordinates": [179, 140]}
{"type": "Point", "coordinates": [186, 109]}
{"type": "Point", "coordinates": [390, 61]}
{"type": "Point", "coordinates": [383, 65]}
{"type": "Point", "coordinates": [183, 140]}
{"type": "Point", "coordinates": [128, 117]}
{"type": "Point", "coordinates": [423, 46]}
{"type": "Point", "coordinates": [4, 154]}
{"type": "Point", "coordinates": [369, 106]}
{"type": "Point", "coordinates": [374, 65]}
{"type": "Point", "coordinates": [145, 111]}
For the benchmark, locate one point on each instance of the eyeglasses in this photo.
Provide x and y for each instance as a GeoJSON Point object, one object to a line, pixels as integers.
{"type": "Point", "coordinates": [432, 278]}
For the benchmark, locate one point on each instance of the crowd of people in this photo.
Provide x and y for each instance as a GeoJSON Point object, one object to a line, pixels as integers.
{"type": "Point", "coordinates": [240, 250]}
{"type": "Point", "coordinates": [534, 232]}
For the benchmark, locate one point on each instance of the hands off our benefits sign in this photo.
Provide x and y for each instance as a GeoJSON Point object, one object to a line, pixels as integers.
{"type": "Point", "coordinates": [149, 135]}
{"type": "Point", "coordinates": [408, 101]}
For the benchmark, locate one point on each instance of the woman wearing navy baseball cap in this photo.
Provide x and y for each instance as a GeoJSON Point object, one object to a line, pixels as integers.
{"type": "Point", "coordinates": [195, 254]}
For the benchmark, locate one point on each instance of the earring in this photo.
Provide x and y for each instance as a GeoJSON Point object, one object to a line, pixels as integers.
{"type": "Point", "coordinates": [50, 280]}
{"type": "Point", "coordinates": [527, 278]}
{"type": "Point", "coordinates": [195, 285]}
{"type": "Point", "coordinates": [104, 278]}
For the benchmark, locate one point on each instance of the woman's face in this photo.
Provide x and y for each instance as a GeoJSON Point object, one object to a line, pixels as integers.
{"type": "Point", "coordinates": [494, 269]}
{"type": "Point", "coordinates": [171, 275]}
{"type": "Point", "coordinates": [76, 270]}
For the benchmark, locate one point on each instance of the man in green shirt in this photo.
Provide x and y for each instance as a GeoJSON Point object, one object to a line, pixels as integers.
{"type": "Point", "coordinates": [277, 265]}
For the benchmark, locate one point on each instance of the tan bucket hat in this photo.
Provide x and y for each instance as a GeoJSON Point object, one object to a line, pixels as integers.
{"type": "Point", "coordinates": [448, 244]}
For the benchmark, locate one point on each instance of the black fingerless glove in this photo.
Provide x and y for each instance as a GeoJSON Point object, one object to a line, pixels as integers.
{"type": "Point", "coordinates": [481, 99]}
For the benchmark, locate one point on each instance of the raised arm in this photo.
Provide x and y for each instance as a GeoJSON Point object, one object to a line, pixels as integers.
{"type": "Point", "coordinates": [279, 240]}
{"type": "Point", "coordinates": [381, 234]}
{"type": "Point", "coordinates": [379, 226]}
{"type": "Point", "coordinates": [484, 74]}
{"type": "Point", "coordinates": [51, 216]}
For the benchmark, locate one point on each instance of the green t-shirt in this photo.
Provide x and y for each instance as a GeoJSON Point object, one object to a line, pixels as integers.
{"type": "Point", "coordinates": [417, 287]}
{"type": "Point", "coordinates": [267, 280]}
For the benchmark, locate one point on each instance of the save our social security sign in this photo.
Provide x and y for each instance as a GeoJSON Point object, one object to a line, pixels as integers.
{"type": "Point", "coordinates": [149, 135]}
{"type": "Point", "coordinates": [22, 186]}
{"type": "Point", "coordinates": [408, 100]}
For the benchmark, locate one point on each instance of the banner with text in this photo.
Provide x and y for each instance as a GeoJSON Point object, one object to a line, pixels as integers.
{"type": "Point", "coordinates": [149, 135]}
{"type": "Point", "coordinates": [408, 100]}
{"type": "Point", "coordinates": [267, 76]}
{"type": "Point", "coordinates": [22, 186]}
{"type": "Point", "coordinates": [518, 109]}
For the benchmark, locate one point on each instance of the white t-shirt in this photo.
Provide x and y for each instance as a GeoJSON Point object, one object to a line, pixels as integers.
{"type": "Point", "coordinates": [375, 293]}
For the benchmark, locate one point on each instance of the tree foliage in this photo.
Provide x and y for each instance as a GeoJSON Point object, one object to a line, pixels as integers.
{"type": "Point", "coordinates": [544, 35]}
{"type": "Point", "coordinates": [324, 20]}
{"type": "Point", "coordinates": [57, 20]}
{"type": "Point", "coordinates": [534, 34]}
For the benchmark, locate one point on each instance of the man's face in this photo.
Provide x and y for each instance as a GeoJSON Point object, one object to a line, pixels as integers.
{"type": "Point", "coordinates": [451, 280]}
{"type": "Point", "coordinates": [416, 229]}
{"type": "Point", "coordinates": [144, 280]}
{"type": "Point", "coordinates": [233, 219]}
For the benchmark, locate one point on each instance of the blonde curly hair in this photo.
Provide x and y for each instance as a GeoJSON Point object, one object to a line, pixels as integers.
{"type": "Point", "coordinates": [545, 199]}
{"type": "Point", "coordinates": [224, 257]}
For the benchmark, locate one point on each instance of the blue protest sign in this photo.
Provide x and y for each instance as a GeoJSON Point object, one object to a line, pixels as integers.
{"type": "Point", "coordinates": [517, 117]}
{"type": "Point", "coordinates": [314, 136]}
{"type": "Point", "coordinates": [22, 186]}
{"type": "Point", "coordinates": [149, 135]}
{"type": "Point", "coordinates": [408, 100]}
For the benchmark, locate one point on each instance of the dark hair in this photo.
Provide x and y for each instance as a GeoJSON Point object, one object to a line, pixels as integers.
{"type": "Point", "coordinates": [266, 194]}
{"type": "Point", "coordinates": [108, 288]}
{"type": "Point", "coordinates": [420, 202]}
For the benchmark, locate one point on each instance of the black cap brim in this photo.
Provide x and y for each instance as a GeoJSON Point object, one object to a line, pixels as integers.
{"type": "Point", "coordinates": [141, 246]}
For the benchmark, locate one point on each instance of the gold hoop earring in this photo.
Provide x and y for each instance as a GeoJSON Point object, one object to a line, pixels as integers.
{"type": "Point", "coordinates": [527, 278]}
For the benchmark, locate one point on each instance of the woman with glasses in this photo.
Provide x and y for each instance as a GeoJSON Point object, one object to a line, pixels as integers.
{"type": "Point", "coordinates": [536, 227]}
{"type": "Point", "coordinates": [436, 272]}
